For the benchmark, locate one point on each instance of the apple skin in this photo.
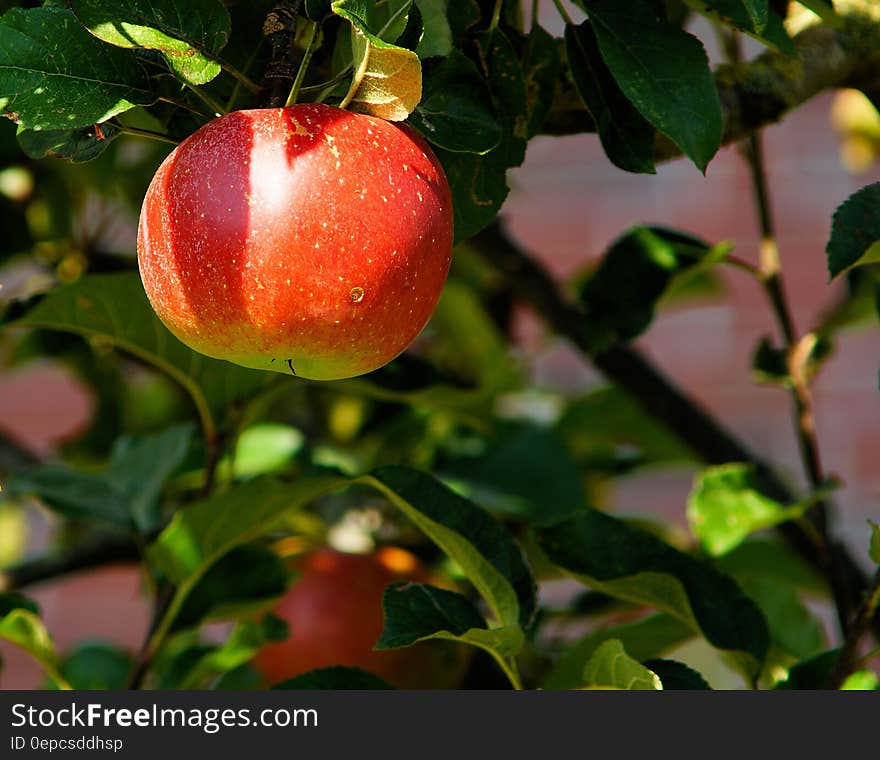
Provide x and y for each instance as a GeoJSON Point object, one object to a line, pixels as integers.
{"type": "Point", "coordinates": [306, 239]}
{"type": "Point", "coordinates": [334, 610]}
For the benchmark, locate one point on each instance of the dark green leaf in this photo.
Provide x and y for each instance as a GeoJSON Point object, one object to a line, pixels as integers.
{"type": "Point", "coordinates": [812, 673]}
{"type": "Point", "coordinates": [676, 676]}
{"type": "Point", "coordinates": [611, 667]}
{"type": "Point", "coordinates": [96, 665]}
{"type": "Point", "coordinates": [479, 188]}
{"type": "Point", "coordinates": [76, 145]}
{"type": "Point", "coordinates": [247, 579]}
{"type": "Point", "coordinates": [335, 678]}
{"type": "Point", "coordinates": [113, 308]}
{"type": "Point", "coordinates": [630, 564]}
{"type": "Point", "coordinates": [754, 17]}
{"type": "Point", "coordinates": [621, 296]}
{"type": "Point", "coordinates": [507, 83]}
{"type": "Point", "coordinates": [525, 471]}
{"type": "Point", "coordinates": [455, 111]}
{"type": "Point", "coordinates": [541, 67]}
{"type": "Point", "coordinates": [188, 33]}
{"type": "Point", "coordinates": [55, 75]}
{"type": "Point", "coordinates": [437, 37]}
{"type": "Point", "coordinates": [125, 494]}
{"type": "Point", "coordinates": [482, 547]}
{"type": "Point", "coordinates": [628, 139]}
{"type": "Point", "coordinates": [643, 639]}
{"type": "Point", "coordinates": [14, 601]}
{"type": "Point", "coordinates": [855, 231]}
{"type": "Point", "coordinates": [415, 611]}
{"type": "Point", "coordinates": [663, 71]}
{"type": "Point", "coordinates": [767, 558]}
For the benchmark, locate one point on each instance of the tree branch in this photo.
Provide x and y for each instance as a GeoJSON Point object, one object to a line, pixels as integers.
{"type": "Point", "coordinates": [106, 550]}
{"type": "Point", "coordinates": [760, 92]}
{"type": "Point", "coordinates": [867, 612]}
{"type": "Point", "coordinates": [657, 394]}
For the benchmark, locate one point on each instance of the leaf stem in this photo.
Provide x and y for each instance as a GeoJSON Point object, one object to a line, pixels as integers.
{"type": "Point", "coordinates": [311, 38]}
{"type": "Point", "coordinates": [509, 668]}
{"type": "Point", "coordinates": [216, 108]}
{"type": "Point", "coordinates": [149, 134]}
{"type": "Point", "coordinates": [239, 76]}
{"type": "Point", "coordinates": [847, 660]}
{"type": "Point", "coordinates": [496, 16]}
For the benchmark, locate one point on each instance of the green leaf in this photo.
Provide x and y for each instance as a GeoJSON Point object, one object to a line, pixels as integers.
{"type": "Point", "coordinates": [264, 448]}
{"type": "Point", "coordinates": [812, 673]}
{"type": "Point", "coordinates": [188, 33]}
{"type": "Point", "coordinates": [621, 296]}
{"type": "Point", "coordinates": [663, 71]}
{"type": "Point", "coordinates": [479, 188]}
{"type": "Point", "coordinates": [455, 111]}
{"type": "Point", "coordinates": [481, 547]}
{"type": "Point", "coordinates": [524, 471]}
{"type": "Point", "coordinates": [727, 504]}
{"type": "Point", "coordinates": [676, 676]}
{"type": "Point", "coordinates": [541, 69]}
{"type": "Point", "coordinates": [611, 667]}
{"type": "Point", "coordinates": [204, 532]}
{"type": "Point", "coordinates": [754, 17]}
{"type": "Point", "coordinates": [861, 680]}
{"type": "Point", "coordinates": [627, 563]}
{"type": "Point", "coordinates": [97, 665]}
{"type": "Point", "coordinates": [628, 139]}
{"type": "Point", "coordinates": [387, 79]}
{"type": "Point", "coordinates": [55, 75]}
{"type": "Point", "coordinates": [22, 626]}
{"type": "Point", "coordinates": [824, 9]}
{"type": "Point", "coordinates": [507, 83]}
{"type": "Point", "coordinates": [793, 628]}
{"type": "Point", "coordinates": [437, 37]}
{"type": "Point", "coordinates": [774, 560]}
{"type": "Point", "coordinates": [113, 309]}
{"type": "Point", "coordinates": [14, 601]}
{"type": "Point", "coordinates": [415, 611]}
{"type": "Point", "coordinates": [336, 678]}
{"type": "Point", "coordinates": [643, 639]}
{"type": "Point", "coordinates": [76, 145]}
{"type": "Point", "coordinates": [247, 580]}
{"type": "Point", "coordinates": [607, 425]}
{"type": "Point", "coordinates": [855, 232]}
{"type": "Point", "coordinates": [874, 547]}
{"type": "Point", "coordinates": [125, 494]}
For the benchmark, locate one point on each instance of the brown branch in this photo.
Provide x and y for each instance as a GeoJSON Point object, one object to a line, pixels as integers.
{"type": "Point", "coordinates": [861, 624]}
{"type": "Point", "coordinates": [106, 550]}
{"type": "Point", "coordinates": [654, 392]}
{"type": "Point", "coordinates": [760, 92]}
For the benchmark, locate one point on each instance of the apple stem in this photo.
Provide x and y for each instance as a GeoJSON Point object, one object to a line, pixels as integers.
{"type": "Point", "coordinates": [312, 36]}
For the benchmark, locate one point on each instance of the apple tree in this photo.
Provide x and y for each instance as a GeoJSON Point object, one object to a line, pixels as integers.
{"type": "Point", "coordinates": [201, 197]}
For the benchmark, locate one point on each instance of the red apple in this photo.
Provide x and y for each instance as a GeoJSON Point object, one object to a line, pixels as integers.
{"type": "Point", "coordinates": [306, 239]}
{"type": "Point", "coordinates": [334, 610]}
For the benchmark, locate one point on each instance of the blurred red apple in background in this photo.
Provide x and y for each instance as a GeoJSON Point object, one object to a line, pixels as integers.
{"type": "Point", "coordinates": [334, 610]}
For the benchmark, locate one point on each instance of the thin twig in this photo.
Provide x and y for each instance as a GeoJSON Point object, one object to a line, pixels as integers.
{"type": "Point", "coordinates": [848, 659]}
{"type": "Point", "coordinates": [279, 29]}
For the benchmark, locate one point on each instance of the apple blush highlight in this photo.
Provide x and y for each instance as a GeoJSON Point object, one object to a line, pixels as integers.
{"type": "Point", "coordinates": [307, 240]}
